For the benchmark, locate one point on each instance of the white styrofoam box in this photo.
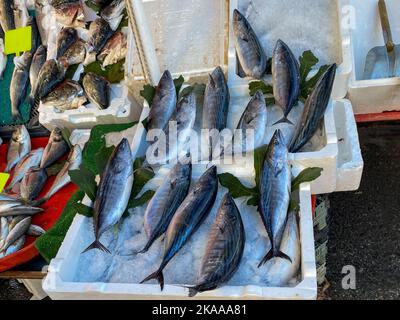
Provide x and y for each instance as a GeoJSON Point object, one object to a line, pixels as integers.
{"type": "Point", "coordinates": [361, 31]}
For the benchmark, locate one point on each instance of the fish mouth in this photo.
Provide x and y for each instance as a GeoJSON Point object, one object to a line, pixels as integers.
{"type": "Point", "coordinates": [166, 75]}
{"type": "Point", "coordinates": [237, 16]}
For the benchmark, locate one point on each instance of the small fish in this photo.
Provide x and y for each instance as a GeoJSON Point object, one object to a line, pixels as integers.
{"type": "Point", "coordinates": [65, 38]}
{"type": "Point", "coordinates": [114, 50]}
{"type": "Point", "coordinates": [165, 202]}
{"type": "Point", "coordinates": [187, 219]}
{"type": "Point", "coordinates": [21, 211]}
{"type": "Point", "coordinates": [113, 192]}
{"type": "Point", "coordinates": [97, 90]}
{"type": "Point", "coordinates": [34, 33]}
{"type": "Point", "coordinates": [7, 15]}
{"type": "Point", "coordinates": [314, 110]}
{"type": "Point", "coordinates": [18, 148]}
{"type": "Point", "coordinates": [164, 102]}
{"type": "Point", "coordinates": [16, 246]}
{"type": "Point", "coordinates": [35, 231]}
{"type": "Point", "coordinates": [21, 14]}
{"type": "Point", "coordinates": [54, 150]}
{"type": "Point", "coordinates": [225, 248]}
{"type": "Point", "coordinates": [99, 33]}
{"type": "Point", "coordinates": [38, 60]}
{"type": "Point", "coordinates": [68, 95]}
{"type": "Point", "coordinates": [13, 221]}
{"type": "Point", "coordinates": [76, 53]}
{"type": "Point", "coordinates": [113, 13]}
{"type": "Point", "coordinates": [250, 56]}
{"type": "Point", "coordinates": [40, 15]}
{"type": "Point", "coordinates": [19, 82]}
{"type": "Point", "coordinates": [275, 190]}
{"type": "Point", "coordinates": [4, 230]}
{"type": "Point", "coordinates": [286, 79]}
{"type": "Point", "coordinates": [18, 231]}
{"type": "Point", "coordinates": [70, 14]}
{"type": "Point", "coordinates": [3, 57]}
{"type": "Point", "coordinates": [6, 205]}
{"type": "Point", "coordinates": [8, 197]}
{"type": "Point", "coordinates": [33, 183]}
{"type": "Point", "coordinates": [32, 159]}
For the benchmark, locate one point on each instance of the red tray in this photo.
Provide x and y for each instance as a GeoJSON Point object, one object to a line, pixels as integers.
{"type": "Point", "coordinates": [46, 219]}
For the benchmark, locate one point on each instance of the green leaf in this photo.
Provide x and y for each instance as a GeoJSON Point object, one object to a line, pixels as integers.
{"type": "Point", "coordinates": [144, 198]}
{"type": "Point", "coordinates": [102, 157]}
{"type": "Point", "coordinates": [113, 73]}
{"type": "Point", "coordinates": [54, 169]}
{"type": "Point", "coordinates": [69, 74]}
{"type": "Point", "coordinates": [83, 210]}
{"type": "Point", "coordinates": [178, 82]}
{"type": "Point", "coordinates": [309, 85]}
{"type": "Point", "coordinates": [254, 86]}
{"type": "Point", "coordinates": [66, 134]}
{"type": "Point", "coordinates": [141, 177]}
{"type": "Point", "coordinates": [124, 22]}
{"type": "Point", "coordinates": [307, 61]}
{"type": "Point", "coordinates": [307, 175]}
{"type": "Point", "coordinates": [253, 201]}
{"type": "Point", "coordinates": [270, 102]}
{"type": "Point", "coordinates": [85, 180]}
{"type": "Point", "coordinates": [235, 187]}
{"type": "Point", "coordinates": [148, 93]}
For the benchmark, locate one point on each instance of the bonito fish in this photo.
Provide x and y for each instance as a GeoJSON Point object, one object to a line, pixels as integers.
{"type": "Point", "coordinates": [65, 38]}
{"type": "Point", "coordinates": [69, 13]}
{"type": "Point", "coordinates": [67, 95]}
{"type": "Point", "coordinates": [18, 148]}
{"type": "Point", "coordinates": [55, 148]}
{"type": "Point", "coordinates": [76, 53]}
{"type": "Point", "coordinates": [99, 33]}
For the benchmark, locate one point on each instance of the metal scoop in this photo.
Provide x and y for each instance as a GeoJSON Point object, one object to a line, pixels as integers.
{"type": "Point", "coordinates": [382, 61]}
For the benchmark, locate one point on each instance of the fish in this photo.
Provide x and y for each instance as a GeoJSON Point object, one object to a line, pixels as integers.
{"type": "Point", "coordinates": [19, 83]}
{"type": "Point", "coordinates": [32, 159]}
{"type": "Point", "coordinates": [113, 192]}
{"type": "Point", "coordinates": [165, 202]}
{"type": "Point", "coordinates": [285, 79]}
{"type": "Point", "coordinates": [4, 230]}
{"type": "Point", "coordinates": [102, 3]}
{"type": "Point", "coordinates": [114, 50]}
{"type": "Point", "coordinates": [99, 33]}
{"type": "Point", "coordinates": [3, 56]}
{"type": "Point", "coordinates": [40, 14]}
{"type": "Point", "coordinates": [275, 190]}
{"type": "Point", "coordinates": [65, 38]}
{"type": "Point", "coordinates": [21, 211]}
{"type": "Point", "coordinates": [280, 272]}
{"type": "Point", "coordinates": [8, 197]}
{"type": "Point", "coordinates": [6, 205]}
{"type": "Point", "coordinates": [18, 231]}
{"type": "Point", "coordinates": [35, 231]}
{"type": "Point", "coordinates": [97, 89]}
{"type": "Point", "coordinates": [68, 95]}
{"type": "Point", "coordinates": [33, 183]}
{"type": "Point", "coordinates": [21, 14]}
{"type": "Point", "coordinates": [7, 15]}
{"type": "Point", "coordinates": [70, 14]}
{"type": "Point", "coordinates": [250, 56]}
{"type": "Point", "coordinates": [76, 53]}
{"type": "Point", "coordinates": [31, 22]}
{"type": "Point", "coordinates": [56, 147]}
{"type": "Point", "coordinates": [187, 219]}
{"type": "Point", "coordinates": [18, 147]}
{"type": "Point", "coordinates": [113, 13]}
{"type": "Point", "coordinates": [164, 102]}
{"type": "Point", "coordinates": [38, 60]}
{"type": "Point", "coordinates": [16, 246]}
{"type": "Point", "coordinates": [224, 249]}
{"type": "Point", "coordinates": [13, 221]}
{"type": "Point", "coordinates": [314, 110]}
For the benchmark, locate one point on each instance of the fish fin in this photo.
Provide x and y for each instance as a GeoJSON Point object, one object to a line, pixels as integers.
{"type": "Point", "coordinates": [267, 257]}
{"type": "Point", "coordinates": [282, 255]}
{"type": "Point", "coordinates": [158, 275]}
{"type": "Point", "coordinates": [284, 120]}
{"type": "Point", "coordinates": [192, 291]}
{"type": "Point", "coordinates": [97, 245]}
{"type": "Point", "coordinates": [239, 69]}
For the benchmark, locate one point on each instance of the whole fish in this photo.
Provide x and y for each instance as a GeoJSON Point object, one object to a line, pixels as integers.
{"type": "Point", "coordinates": [33, 183]}
{"type": "Point", "coordinates": [114, 50]}
{"type": "Point", "coordinates": [70, 14]}
{"type": "Point", "coordinates": [314, 110]}
{"type": "Point", "coordinates": [21, 14]}
{"type": "Point", "coordinates": [250, 56]}
{"type": "Point", "coordinates": [19, 83]}
{"type": "Point", "coordinates": [113, 13]}
{"type": "Point", "coordinates": [34, 33]}
{"type": "Point", "coordinates": [19, 230]}
{"type": "Point", "coordinates": [4, 230]}
{"type": "Point", "coordinates": [275, 190]}
{"type": "Point", "coordinates": [97, 90]}
{"type": "Point", "coordinates": [18, 147]}
{"type": "Point", "coordinates": [35, 231]}
{"type": "Point", "coordinates": [113, 192]}
{"type": "Point", "coordinates": [38, 60]}
{"type": "Point", "coordinates": [13, 221]}
{"type": "Point", "coordinates": [280, 272]}
{"type": "Point", "coordinates": [187, 219]}
{"type": "Point", "coordinates": [40, 15]}
{"type": "Point", "coordinates": [285, 79]}
{"type": "Point", "coordinates": [67, 95]}
{"type": "Point", "coordinates": [21, 211]}
{"type": "Point", "coordinates": [7, 15]}
{"type": "Point", "coordinates": [76, 53]}
{"type": "Point", "coordinates": [54, 150]}
{"type": "Point", "coordinates": [164, 102]}
{"type": "Point", "coordinates": [16, 246]}
{"type": "Point", "coordinates": [65, 38]}
{"type": "Point", "coordinates": [3, 57]}
{"type": "Point", "coordinates": [165, 202]}
{"type": "Point", "coordinates": [32, 159]}
{"type": "Point", "coordinates": [225, 248]}
{"type": "Point", "coordinates": [99, 33]}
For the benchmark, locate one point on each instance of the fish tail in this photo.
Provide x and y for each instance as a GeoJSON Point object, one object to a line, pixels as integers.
{"type": "Point", "coordinates": [158, 275]}
{"type": "Point", "coordinates": [192, 291]}
{"type": "Point", "coordinates": [267, 257]}
{"type": "Point", "coordinates": [96, 245]}
{"type": "Point", "coordinates": [282, 255]}
{"type": "Point", "coordinates": [284, 120]}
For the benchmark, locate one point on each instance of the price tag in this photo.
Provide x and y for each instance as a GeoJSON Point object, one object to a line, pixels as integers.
{"type": "Point", "coordinates": [18, 40]}
{"type": "Point", "coordinates": [3, 180]}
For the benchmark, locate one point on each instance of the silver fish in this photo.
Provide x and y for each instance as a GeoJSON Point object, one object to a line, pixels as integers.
{"type": "Point", "coordinates": [21, 211]}
{"type": "Point", "coordinates": [164, 102]}
{"type": "Point", "coordinates": [33, 183]}
{"type": "Point", "coordinates": [8, 197]}
{"type": "Point", "coordinates": [113, 13]}
{"type": "Point", "coordinates": [13, 221]}
{"type": "Point", "coordinates": [19, 230]}
{"type": "Point", "coordinates": [4, 230]}
{"type": "Point", "coordinates": [55, 149]}
{"type": "Point", "coordinates": [97, 89]}
{"type": "Point", "coordinates": [165, 202]}
{"type": "Point", "coordinates": [34, 33]}
{"type": "Point", "coordinates": [18, 148]}
{"type": "Point", "coordinates": [286, 79]}
{"type": "Point", "coordinates": [3, 57]}
{"type": "Point", "coordinates": [65, 38]}
{"type": "Point", "coordinates": [70, 14]}
{"type": "Point", "coordinates": [99, 33]}
{"type": "Point", "coordinates": [40, 15]}
{"type": "Point", "coordinates": [114, 50]}
{"type": "Point", "coordinates": [275, 190]}
{"type": "Point", "coordinates": [7, 15]}
{"type": "Point", "coordinates": [35, 231]}
{"type": "Point", "coordinates": [67, 95]}
{"type": "Point", "coordinates": [16, 246]}
{"type": "Point", "coordinates": [113, 192]}
{"type": "Point", "coordinates": [250, 56]}
{"type": "Point", "coordinates": [76, 53]}
{"type": "Point", "coordinates": [6, 205]}
{"type": "Point", "coordinates": [224, 250]}
{"type": "Point", "coordinates": [314, 110]}
{"type": "Point", "coordinates": [21, 14]}
{"type": "Point", "coordinates": [38, 60]}
{"type": "Point", "coordinates": [187, 219]}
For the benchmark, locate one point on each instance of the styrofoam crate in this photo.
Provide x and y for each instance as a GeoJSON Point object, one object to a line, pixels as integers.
{"type": "Point", "coordinates": [361, 31]}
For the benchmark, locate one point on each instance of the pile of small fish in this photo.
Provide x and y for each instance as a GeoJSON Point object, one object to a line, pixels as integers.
{"type": "Point", "coordinates": [20, 202]}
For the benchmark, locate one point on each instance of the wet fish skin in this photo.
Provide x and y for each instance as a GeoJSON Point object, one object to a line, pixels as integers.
{"type": "Point", "coordinates": [113, 192]}
{"type": "Point", "coordinates": [3, 57]}
{"type": "Point", "coordinates": [67, 95]}
{"type": "Point", "coordinates": [285, 78]}
{"type": "Point", "coordinates": [33, 183]}
{"type": "Point", "coordinates": [39, 7]}
{"type": "Point", "coordinates": [76, 53]}
{"type": "Point", "coordinates": [38, 60]}
{"type": "Point", "coordinates": [113, 13]}
{"type": "Point", "coordinates": [275, 190]}
{"type": "Point", "coordinates": [66, 37]}
{"type": "Point", "coordinates": [8, 197]}
{"type": "Point", "coordinates": [16, 246]}
{"type": "Point", "coordinates": [21, 211]}
{"type": "Point", "coordinates": [314, 110]}
{"type": "Point", "coordinates": [19, 230]}
{"type": "Point", "coordinates": [70, 14]}
{"type": "Point", "coordinates": [99, 33]}
{"type": "Point", "coordinates": [6, 205]}
{"type": "Point", "coordinates": [18, 147]}
{"type": "Point", "coordinates": [54, 150]}
{"type": "Point", "coordinates": [251, 58]}
{"type": "Point", "coordinates": [165, 202]}
{"type": "Point", "coordinates": [164, 102]}
{"type": "Point", "coordinates": [7, 15]}
{"type": "Point", "coordinates": [21, 14]}
{"type": "Point", "coordinates": [187, 219]}
{"type": "Point", "coordinates": [13, 221]}
{"type": "Point", "coordinates": [114, 50]}
{"type": "Point", "coordinates": [4, 230]}
{"type": "Point", "coordinates": [97, 89]}
{"type": "Point", "coordinates": [35, 33]}
{"type": "Point", "coordinates": [35, 231]}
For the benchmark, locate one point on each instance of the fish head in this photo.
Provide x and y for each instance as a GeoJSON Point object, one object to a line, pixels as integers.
{"type": "Point", "coordinates": [56, 135]}
{"type": "Point", "coordinates": [20, 134]}
{"type": "Point", "coordinates": [114, 9]}
{"type": "Point", "coordinates": [122, 153]}
{"type": "Point", "coordinates": [182, 170]}
{"type": "Point", "coordinates": [166, 81]}
{"type": "Point", "coordinates": [41, 51]}
{"type": "Point", "coordinates": [241, 26]}
{"type": "Point", "coordinates": [277, 148]}
{"type": "Point", "coordinates": [259, 97]}
{"type": "Point", "coordinates": [186, 109]}
{"type": "Point", "coordinates": [209, 177]}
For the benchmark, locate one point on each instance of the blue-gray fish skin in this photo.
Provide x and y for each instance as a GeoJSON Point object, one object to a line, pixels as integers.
{"type": "Point", "coordinates": [252, 60]}
{"type": "Point", "coordinates": [314, 110]}
{"type": "Point", "coordinates": [275, 190]}
{"type": "Point", "coordinates": [286, 78]}
{"type": "Point", "coordinates": [165, 202]}
{"type": "Point", "coordinates": [187, 219]}
{"type": "Point", "coordinates": [113, 192]}
{"type": "Point", "coordinates": [225, 248]}
{"type": "Point", "coordinates": [164, 102]}
{"type": "Point", "coordinates": [55, 149]}
{"type": "Point", "coordinates": [38, 60]}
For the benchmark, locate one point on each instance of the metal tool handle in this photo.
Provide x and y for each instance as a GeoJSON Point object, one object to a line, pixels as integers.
{"type": "Point", "coordinates": [387, 31]}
